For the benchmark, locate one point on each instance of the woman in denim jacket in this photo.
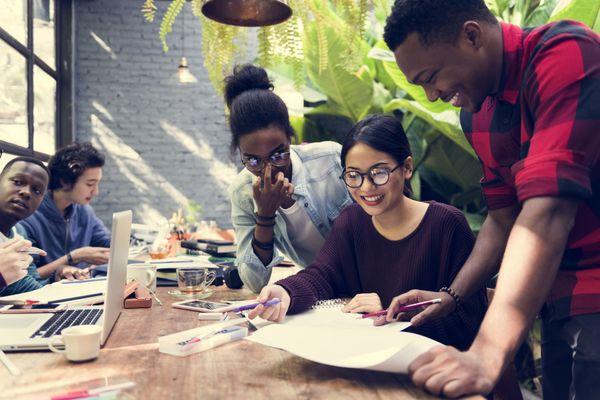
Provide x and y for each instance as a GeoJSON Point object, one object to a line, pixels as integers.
{"type": "Point", "coordinates": [286, 198]}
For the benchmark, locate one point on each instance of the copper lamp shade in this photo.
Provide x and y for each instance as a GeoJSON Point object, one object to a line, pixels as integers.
{"type": "Point", "coordinates": [247, 12]}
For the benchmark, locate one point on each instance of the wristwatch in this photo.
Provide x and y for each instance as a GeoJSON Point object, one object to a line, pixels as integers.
{"type": "Point", "coordinates": [69, 258]}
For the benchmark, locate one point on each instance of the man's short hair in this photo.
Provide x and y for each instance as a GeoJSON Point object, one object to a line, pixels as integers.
{"type": "Point", "coordinates": [30, 160]}
{"type": "Point", "coordinates": [70, 162]}
{"type": "Point", "coordinates": [434, 20]}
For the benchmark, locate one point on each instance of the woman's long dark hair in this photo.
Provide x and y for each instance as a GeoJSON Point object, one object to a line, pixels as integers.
{"type": "Point", "coordinates": [383, 133]}
{"type": "Point", "coordinates": [252, 104]}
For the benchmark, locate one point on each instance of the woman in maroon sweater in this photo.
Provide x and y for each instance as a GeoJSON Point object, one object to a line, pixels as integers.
{"type": "Point", "coordinates": [386, 244]}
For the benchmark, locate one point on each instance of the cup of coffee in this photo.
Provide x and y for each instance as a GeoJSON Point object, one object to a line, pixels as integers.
{"type": "Point", "coordinates": [144, 274]}
{"type": "Point", "coordinates": [81, 343]}
{"type": "Point", "coordinates": [191, 280]}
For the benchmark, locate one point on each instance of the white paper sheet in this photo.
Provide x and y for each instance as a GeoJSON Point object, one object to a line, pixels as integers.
{"type": "Point", "coordinates": [330, 337]}
{"type": "Point", "coordinates": [60, 290]}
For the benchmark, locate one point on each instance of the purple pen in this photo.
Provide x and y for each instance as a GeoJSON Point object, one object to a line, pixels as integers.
{"type": "Point", "coordinates": [245, 307]}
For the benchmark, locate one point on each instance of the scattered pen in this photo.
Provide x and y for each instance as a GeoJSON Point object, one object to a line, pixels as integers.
{"type": "Point", "coordinates": [246, 307]}
{"type": "Point", "coordinates": [404, 308]}
{"type": "Point", "coordinates": [99, 278]}
{"type": "Point", "coordinates": [19, 302]}
{"type": "Point", "coordinates": [197, 339]}
{"type": "Point", "coordinates": [221, 327]}
{"type": "Point", "coordinates": [93, 393]}
{"type": "Point", "coordinates": [85, 296]}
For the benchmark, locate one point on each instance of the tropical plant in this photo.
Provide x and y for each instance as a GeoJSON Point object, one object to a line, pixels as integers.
{"type": "Point", "coordinates": [330, 55]}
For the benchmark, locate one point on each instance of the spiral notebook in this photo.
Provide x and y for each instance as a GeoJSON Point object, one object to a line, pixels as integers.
{"type": "Point", "coordinates": [329, 336]}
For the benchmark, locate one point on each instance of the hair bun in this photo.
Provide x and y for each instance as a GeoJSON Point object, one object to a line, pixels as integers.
{"type": "Point", "coordinates": [244, 78]}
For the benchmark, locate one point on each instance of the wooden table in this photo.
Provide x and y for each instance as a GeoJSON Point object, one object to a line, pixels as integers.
{"type": "Point", "coordinates": [240, 370]}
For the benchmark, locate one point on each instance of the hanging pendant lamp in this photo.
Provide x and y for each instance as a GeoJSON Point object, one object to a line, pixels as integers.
{"type": "Point", "coordinates": [247, 12]}
{"type": "Point", "coordinates": [184, 75]}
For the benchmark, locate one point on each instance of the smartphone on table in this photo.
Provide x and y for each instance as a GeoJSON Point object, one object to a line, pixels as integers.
{"type": "Point", "coordinates": [199, 305]}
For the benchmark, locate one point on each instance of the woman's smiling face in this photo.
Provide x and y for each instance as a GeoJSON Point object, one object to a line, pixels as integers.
{"type": "Point", "coordinates": [377, 199]}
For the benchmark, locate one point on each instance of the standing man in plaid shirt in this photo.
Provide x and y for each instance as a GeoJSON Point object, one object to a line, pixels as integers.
{"type": "Point", "coordinates": [530, 107]}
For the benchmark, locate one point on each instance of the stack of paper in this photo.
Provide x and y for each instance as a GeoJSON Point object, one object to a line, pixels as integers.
{"type": "Point", "coordinates": [77, 292]}
{"type": "Point", "coordinates": [331, 337]}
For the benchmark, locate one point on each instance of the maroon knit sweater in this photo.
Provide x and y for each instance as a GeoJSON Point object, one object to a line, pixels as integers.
{"type": "Point", "coordinates": [357, 259]}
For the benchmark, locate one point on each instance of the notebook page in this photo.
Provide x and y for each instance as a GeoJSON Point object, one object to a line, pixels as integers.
{"type": "Point", "coordinates": [373, 348]}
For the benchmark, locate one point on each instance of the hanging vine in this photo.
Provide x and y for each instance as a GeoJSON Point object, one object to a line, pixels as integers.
{"type": "Point", "coordinates": [149, 10]}
{"type": "Point", "coordinates": [277, 44]}
{"type": "Point", "coordinates": [166, 25]}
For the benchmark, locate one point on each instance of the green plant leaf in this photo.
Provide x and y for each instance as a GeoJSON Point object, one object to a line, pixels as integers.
{"type": "Point", "coordinates": [415, 91]}
{"type": "Point", "coordinates": [540, 15]}
{"type": "Point", "coordinates": [447, 122]}
{"type": "Point", "coordinates": [586, 11]}
{"type": "Point", "coordinates": [298, 124]}
{"type": "Point", "coordinates": [351, 93]}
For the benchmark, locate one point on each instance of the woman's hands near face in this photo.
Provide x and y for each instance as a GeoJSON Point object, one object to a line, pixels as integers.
{"type": "Point", "coordinates": [269, 194]}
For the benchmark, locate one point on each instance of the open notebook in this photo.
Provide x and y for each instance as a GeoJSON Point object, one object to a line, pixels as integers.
{"type": "Point", "coordinates": [328, 336]}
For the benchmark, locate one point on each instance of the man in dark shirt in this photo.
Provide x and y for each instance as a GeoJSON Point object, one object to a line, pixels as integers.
{"type": "Point", "coordinates": [23, 182]}
{"type": "Point", "coordinates": [530, 108]}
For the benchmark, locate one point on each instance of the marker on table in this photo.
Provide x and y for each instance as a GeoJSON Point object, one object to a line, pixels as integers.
{"type": "Point", "coordinates": [404, 308]}
{"type": "Point", "coordinates": [98, 278]}
{"type": "Point", "coordinates": [94, 393]}
{"type": "Point", "coordinates": [19, 302]}
{"type": "Point", "coordinates": [246, 307]}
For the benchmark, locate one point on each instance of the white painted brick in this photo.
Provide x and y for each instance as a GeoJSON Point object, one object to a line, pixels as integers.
{"type": "Point", "coordinates": [128, 105]}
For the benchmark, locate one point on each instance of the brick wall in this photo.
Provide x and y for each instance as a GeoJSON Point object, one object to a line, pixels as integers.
{"type": "Point", "coordinates": [165, 143]}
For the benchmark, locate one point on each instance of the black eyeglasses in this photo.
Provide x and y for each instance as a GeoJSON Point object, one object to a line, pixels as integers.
{"type": "Point", "coordinates": [277, 159]}
{"type": "Point", "coordinates": [377, 175]}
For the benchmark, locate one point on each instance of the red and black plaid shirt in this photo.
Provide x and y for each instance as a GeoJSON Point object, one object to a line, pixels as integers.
{"type": "Point", "coordinates": [540, 136]}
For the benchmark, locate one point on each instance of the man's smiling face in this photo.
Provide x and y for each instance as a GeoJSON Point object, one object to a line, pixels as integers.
{"type": "Point", "coordinates": [454, 72]}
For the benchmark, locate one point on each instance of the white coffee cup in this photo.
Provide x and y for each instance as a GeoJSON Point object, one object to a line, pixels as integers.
{"type": "Point", "coordinates": [81, 343]}
{"type": "Point", "coordinates": [144, 274]}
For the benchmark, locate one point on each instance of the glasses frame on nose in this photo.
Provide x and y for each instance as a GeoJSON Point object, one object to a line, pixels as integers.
{"type": "Point", "coordinates": [261, 161]}
{"type": "Point", "coordinates": [369, 175]}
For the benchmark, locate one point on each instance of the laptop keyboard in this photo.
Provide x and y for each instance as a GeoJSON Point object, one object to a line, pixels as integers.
{"type": "Point", "coordinates": [65, 319]}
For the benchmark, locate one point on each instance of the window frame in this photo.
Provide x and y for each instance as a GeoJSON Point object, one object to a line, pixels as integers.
{"type": "Point", "coordinates": [62, 73]}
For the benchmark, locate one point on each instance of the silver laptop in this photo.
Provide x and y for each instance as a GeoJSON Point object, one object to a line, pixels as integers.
{"type": "Point", "coordinates": [20, 332]}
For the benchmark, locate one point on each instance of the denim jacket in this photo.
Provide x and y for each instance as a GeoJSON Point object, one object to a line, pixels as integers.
{"type": "Point", "coordinates": [316, 170]}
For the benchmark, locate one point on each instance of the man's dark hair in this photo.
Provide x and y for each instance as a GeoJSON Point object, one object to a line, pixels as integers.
{"type": "Point", "coordinates": [70, 162]}
{"type": "Point", "coordinates": [30, 160]}
{"type": "Point", "coordinates": [383, 133]}
{"type": "Point", "coordinates": [433, 20]}
{"type": "Point", "coordinates": [252, 104]}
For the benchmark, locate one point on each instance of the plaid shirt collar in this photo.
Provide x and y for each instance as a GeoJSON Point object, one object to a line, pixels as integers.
{"type": "Point", "coordinates": [512, 43]}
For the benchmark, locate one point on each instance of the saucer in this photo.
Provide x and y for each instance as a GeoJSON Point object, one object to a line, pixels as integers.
{"type": "Point", "coordinates": [190, 295]}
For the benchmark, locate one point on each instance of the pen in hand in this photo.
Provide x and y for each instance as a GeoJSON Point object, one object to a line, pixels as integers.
{"type": "Point", "coordinates": [34, 251]}
{"type": "Point", "coordinates": [246, 307]}
{"type": "Point", "coordinates": [408, 307]}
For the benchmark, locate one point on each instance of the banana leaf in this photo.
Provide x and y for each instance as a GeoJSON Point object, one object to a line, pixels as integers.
{"type": "Point", "coordinates": [350, 94]}
{"type": "Point", "coordinates": [586, 11]}
{"type": "Point", "coordinates": [446, 122]}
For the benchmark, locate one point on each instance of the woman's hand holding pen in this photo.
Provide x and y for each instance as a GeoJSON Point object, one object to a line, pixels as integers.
{"type": "Point", "coordinates": [419, 316]}
{"type": "Point", "coordinates": [363, 302]}
{"type": "Point", "coordinates": [274, 313]}
{"type": "Point", "coordinates": [270, 195]}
